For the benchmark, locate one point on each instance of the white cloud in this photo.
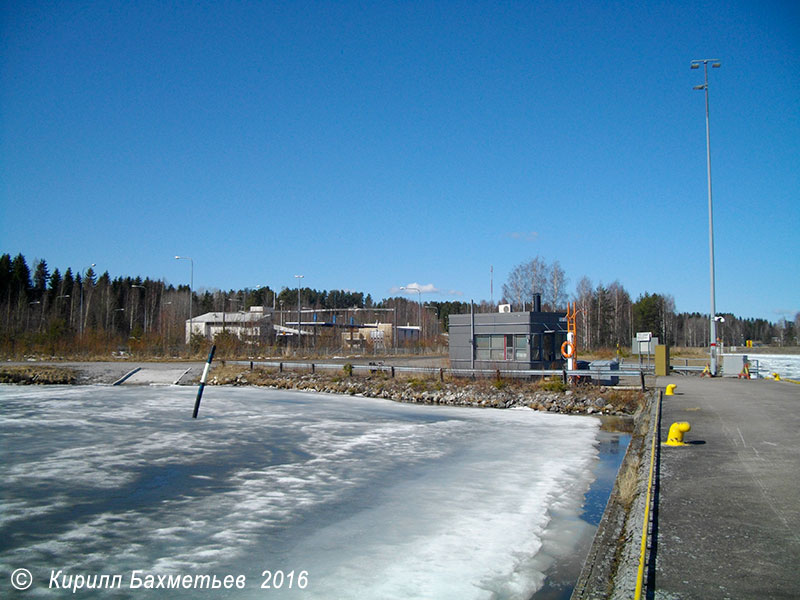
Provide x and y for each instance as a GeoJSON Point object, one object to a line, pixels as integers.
{"type": "Point", "coordinates": [411, 288]}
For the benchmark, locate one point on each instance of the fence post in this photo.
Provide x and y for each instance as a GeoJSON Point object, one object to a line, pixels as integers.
{"type": "Point", "coordinates": [280, 367]}
{"type": "Point", "coordinates": [313, 370]}
{"type": "Point", "coordinates": [641, 374]}
{"type": "Point", "coordinates": [441, 374]}
{"type": "Point", "coordinates": [392, 371]}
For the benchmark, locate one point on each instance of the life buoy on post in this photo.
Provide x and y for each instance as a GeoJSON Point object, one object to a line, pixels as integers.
{"type": "Point", "coordinates": [564, 352]}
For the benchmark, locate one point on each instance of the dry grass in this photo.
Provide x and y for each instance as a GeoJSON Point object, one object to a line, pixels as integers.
{"type": "Point", "coordinates": [628, 482]}
{"type": "Point", "coordinates": [27, 375]}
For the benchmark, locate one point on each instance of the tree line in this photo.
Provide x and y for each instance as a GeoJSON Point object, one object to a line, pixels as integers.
{"type": "Point", "coordinates": [608, 316]}
{"type": "Point", "coordinates": [81, 312]}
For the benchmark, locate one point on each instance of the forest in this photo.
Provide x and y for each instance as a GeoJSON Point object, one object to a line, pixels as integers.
{"type": "Point", "coordinates": [81, 313]}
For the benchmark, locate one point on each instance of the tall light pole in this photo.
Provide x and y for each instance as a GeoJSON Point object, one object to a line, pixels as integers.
{"type": "Point", "coordinates": [713, 316]}
{"type": "Point", "coordinates": [419, 291]}
{"type": "Point", "coordinates": [298, 277]}
{"type": "Point", "coordinates": [144, 291]}
{"type": "Point", "coordinates": [191, 292]}
{"type": "Point", "coordinates": [83, 279]}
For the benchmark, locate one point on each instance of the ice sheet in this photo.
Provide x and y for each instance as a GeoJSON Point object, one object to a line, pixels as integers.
{"type": "Point", "coordinates": [374, 499]}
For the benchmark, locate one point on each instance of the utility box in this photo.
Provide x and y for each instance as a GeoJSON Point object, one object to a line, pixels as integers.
{"type": "Point", "coordinates": [604, 378]}
{"type": "Point", "coordinates": [733, 364]}
{"type": "Point", "coordinates": [662, 360]}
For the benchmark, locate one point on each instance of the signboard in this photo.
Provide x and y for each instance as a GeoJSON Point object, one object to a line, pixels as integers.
{"type": "Point", "coordinates": [644, 347]}
{"type": "Point", "coordinates": [644, 336]}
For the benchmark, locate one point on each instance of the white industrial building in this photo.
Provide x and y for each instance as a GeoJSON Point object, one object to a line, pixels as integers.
{"type": "Point", "coordinates": [251, 325]}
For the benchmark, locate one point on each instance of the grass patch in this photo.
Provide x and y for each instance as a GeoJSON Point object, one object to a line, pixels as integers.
{"type": "Point", "coordinates": [552, 384]}
{"type": "Point", "coordinates": [628, 482]}
{"type": "Point", "coordinates": [42, 375]}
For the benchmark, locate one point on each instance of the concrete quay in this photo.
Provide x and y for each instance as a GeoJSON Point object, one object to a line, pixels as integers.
{"type": "Point", "coordinates": [726, 516]}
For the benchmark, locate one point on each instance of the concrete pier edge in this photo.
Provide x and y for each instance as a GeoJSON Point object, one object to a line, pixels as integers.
{"type": "Point", "coordinates": [610, 567]}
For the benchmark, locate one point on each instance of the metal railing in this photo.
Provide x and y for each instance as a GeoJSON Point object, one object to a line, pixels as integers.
{"type": "Point", "coordinates": [392, 370]}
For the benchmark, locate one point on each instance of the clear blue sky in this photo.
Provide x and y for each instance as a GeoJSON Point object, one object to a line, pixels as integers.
{"type": "Point", "coordinates": [370, 146]}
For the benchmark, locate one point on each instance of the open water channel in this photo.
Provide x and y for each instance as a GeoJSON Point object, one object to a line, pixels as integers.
{"type": "Point", "coordinates": [294, 495]}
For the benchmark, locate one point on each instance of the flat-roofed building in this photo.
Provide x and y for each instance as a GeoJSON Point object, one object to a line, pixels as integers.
{"type": "Point", "coordinates": [252, 325]}
{"type": "Point", "coordinates": [507, 340]}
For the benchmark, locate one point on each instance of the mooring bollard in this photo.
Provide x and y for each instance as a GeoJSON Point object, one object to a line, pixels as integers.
{"type": "Point", "coordinates": [670, 389]}
{"type": "Point", "coordinates": [676, 431]}
{"type": "Point", "coordinates": [203, 381]}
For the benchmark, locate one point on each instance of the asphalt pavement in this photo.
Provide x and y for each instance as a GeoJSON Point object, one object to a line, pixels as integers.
{"type": "Point", "coordinates": [727, 511]}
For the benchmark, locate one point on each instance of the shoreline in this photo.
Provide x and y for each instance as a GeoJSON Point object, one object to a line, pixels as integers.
{"type": "Point", "coordinates": [612, 549]}
{"type": "Point", "coordinates": [544, 395]}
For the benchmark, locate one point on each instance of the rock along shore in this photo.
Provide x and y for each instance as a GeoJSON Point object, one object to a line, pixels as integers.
{"type": "Point", "coordinates": [548, 395]}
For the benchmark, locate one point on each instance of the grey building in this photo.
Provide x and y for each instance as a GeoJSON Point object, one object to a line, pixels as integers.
{"type": "Point", "coordinates": [507, 340]}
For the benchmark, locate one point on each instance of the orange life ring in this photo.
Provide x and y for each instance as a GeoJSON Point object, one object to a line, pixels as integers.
{"type": "Point", "coordinates": [571, 352]}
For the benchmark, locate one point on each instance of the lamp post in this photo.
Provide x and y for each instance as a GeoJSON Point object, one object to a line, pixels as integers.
{"type": "Point", "coordinates": [419, 291]}
{"type": "Point", "coordinates": [191, 288]}
{"type": "Point", "coordinates": [30, 304]}
{"type": "Point", "coordinates": [113, 320]}
{"type": "Point", "coordinates": [298, 277]}
{"type": "Point", "coordinates": [712, 317]}
{"type": "Point", "coordinates": [83, 279]}
{"type": "Point", "coordinates": [58, 312]}
{"type": "Point", "coordinates": [141, 287]}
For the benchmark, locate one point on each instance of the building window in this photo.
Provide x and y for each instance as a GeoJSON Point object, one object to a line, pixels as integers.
{"type": "Point", "coordinates": [536, 347]}
{"type": "Point", "coordinates": [498, 347]}
{"type": "Point", "coordinates": [521, 347]}
{"type": "Point", "coordinates": [483, 347]}
{"type": "Point", "coordinates": [548, 351]}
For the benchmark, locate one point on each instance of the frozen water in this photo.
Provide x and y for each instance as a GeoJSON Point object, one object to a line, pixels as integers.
{"type": "Point", "coordinates": [786, 365]}
{"type": "Point", "coordinates": [372, 498]}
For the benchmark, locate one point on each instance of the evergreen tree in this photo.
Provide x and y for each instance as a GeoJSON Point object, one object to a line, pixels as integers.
{"type": "Point", "coordinates": [20, 277]}
{"type": "Point", "coordinates": [5, 276]}
{"type": "Point", "coordinates": [40, 277]}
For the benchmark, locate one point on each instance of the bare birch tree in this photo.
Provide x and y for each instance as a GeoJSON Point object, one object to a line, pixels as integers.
{"type": "Point", "coordinates": [557, 294]}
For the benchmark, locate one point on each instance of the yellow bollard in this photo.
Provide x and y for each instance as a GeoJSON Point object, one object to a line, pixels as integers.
{"type": "Point", "coordinates": [670, 389]}
{"type": "Point", "coordinates": [776, 377]}
{"type": "Point", "coordinates": [676, 431]}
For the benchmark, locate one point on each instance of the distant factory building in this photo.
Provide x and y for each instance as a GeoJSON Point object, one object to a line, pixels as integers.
{"type": "Point", "coordinates": [253, 325]}
{"type": "Point", "coordinates": [408, 334]}
{"type": "Point", "coordinates": [508, 340]}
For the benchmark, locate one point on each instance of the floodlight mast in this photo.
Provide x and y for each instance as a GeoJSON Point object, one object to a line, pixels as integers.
{"type": "Point", "coordinates": [715, 63]}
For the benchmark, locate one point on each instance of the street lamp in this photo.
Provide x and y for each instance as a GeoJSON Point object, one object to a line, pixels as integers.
{"type": "Point", "coordinates": [83, 278]}
{"type": "Point", "coordinates": [712, 323]}
{"type": "Point", "coordinates": [113, 320]}
{"type": "Point", "coordinates": [419, 291]}
{"type": "Point", "coordinates": [141, 287]}
{"type": "Point", "coordinates": [191, 288]}
{"type": "Point", "coordinates": [298, 277]}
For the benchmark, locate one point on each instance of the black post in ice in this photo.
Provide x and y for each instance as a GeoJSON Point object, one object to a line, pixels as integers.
{"type": "Point", "coordinates": [203, 381]}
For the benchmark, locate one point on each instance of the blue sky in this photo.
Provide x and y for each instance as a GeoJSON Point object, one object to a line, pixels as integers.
{"type": "Point", "coordinates": [370, 146]}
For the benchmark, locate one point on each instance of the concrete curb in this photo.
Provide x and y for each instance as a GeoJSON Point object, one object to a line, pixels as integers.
{"type": "Point", "coordinates": [611, 566]}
